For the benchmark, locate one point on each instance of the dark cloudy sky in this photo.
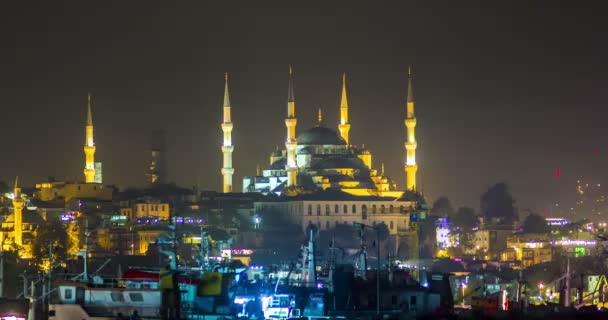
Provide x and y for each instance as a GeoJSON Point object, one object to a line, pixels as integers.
{"type": "Point", "coordinates": [504, 90]}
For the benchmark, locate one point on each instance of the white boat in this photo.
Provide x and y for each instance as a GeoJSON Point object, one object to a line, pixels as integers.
{"type": "Point", "coordinates": [136, 291]}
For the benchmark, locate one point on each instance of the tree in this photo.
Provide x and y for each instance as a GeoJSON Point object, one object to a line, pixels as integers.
{"type": "Point", "coordinates": [4, 187]}
{"type": "Point", "coordinates": [382, 231]}
{"type": "Point", "coordinates": [497, 203]}
{"type": "Point", "coordinates": [464, 218]}
{"type": "Point", "coordinates": [51, 233]}
{"type": "Point", "coordinates": [535, 223]}
{"type": "Point", "coordinates": [442, 207]}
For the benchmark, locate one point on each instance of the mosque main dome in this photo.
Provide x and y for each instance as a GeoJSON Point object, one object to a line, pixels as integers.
{"type": "Point", "coordinates": [320, 136]}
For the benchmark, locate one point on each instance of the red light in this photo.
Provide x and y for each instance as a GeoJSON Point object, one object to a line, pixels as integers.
{"type": "Point", "coordinates": [558, 173]}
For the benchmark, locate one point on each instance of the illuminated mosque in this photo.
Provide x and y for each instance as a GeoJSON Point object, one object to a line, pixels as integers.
{"type": "Point", "coordinates": [321, 158]}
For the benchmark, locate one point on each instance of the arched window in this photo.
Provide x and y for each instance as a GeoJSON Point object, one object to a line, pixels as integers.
{"type": "Point", "coordinates": [364, 209]}
{"type": "Point", "coordinates": [391, 225]}
{"type": "Point", "coordinates": [401, 209]}
{"type": "Point", "coordinates": [336, 209]}
{"type": "Point", "coordinates": [390, 208]}
{"type": "Point", "coordinates": [318, 209]}
{"type": "Point", "coordinates": [382, 209]}
{"type": "Point", "coordinates": [354, 208]}
{"type": "Point", "coordinates": [373, 209]}
{"type": "Point", "coordinates": [326, 209]}
{"type": "Point", "coordinates": [345, 209]}
{"type": "Point", "coordinates": [310, 209]}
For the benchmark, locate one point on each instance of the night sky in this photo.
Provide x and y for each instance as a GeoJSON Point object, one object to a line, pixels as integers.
{"type": "Point", "coordinates": [505, 91]}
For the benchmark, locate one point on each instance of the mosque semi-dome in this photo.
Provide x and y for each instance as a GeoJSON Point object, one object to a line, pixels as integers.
{"type": "Point", "coordinates": [320, 136]}
{"type": "Point", "coordinates": [342, 163]}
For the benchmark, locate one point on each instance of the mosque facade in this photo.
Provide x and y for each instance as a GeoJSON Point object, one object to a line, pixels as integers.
{"type": "Point", "coordinates": [321, 158]}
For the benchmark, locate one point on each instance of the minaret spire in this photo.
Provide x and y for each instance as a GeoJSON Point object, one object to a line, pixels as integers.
{"type": "Point", "coordinates": [18, 204]}
{"type": "Point", "coordinates": [89, 147]}
{"type": "Point", "coordinates": [291, 143]}
{"type": "Point", "coordinates": [227, 147]}
{"type": "Point", "coordinates": [410, 145]}
{"type": "Point", "coordinates": [89, 112]}
{"type": "Point", "coordinates": [344, 126]}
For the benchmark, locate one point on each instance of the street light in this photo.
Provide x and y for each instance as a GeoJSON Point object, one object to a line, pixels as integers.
{"type": "Point", "coordinates": [363, 226]}
{"type": "Point", "coordinates": [463, 285]}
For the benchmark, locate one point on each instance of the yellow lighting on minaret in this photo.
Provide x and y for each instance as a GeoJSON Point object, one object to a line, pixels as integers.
{"type": "Point", "coordinates": [89, 147]}
{"type": "Point", "coordinates": [344, 126]}
{"type": "Point", "coordinates": [291, 143]}
{"type": "Point", "coordinates": [18, 204]}
{"type": "Point", "coordinates": [410, 144]}
{"type": "Point", "coordinates": [227, 147]}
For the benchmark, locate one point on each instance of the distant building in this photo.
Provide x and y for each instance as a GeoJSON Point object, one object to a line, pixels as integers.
{"type": "Point", "coordinates": [490, 241]}
{"type": "Point", "coordinates": [153, 209]}
{"type": "Point", "coordinates": [327, 209]}
{"type": "Point", "coordinates": [525, 250]}
{"type": "Point", "coordinates": [66, 191]}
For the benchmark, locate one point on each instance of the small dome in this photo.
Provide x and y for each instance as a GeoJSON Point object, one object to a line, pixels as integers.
{"type": "Point", "coordinates": [279, 164]}
{"type": "Point", "coordinates": [320, 136]}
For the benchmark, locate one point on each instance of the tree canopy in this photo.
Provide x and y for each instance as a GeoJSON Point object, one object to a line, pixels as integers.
{"type": "Point", "coordinates": [535, 223]}
{"type": "Point", "coordinates": [497, 203]}
{"type": "Point", "coordinates": [50, 233]}
{"type": "Point", "coordinates": [464, 218]}
{"type": "Point", "coordinates": [442, 207]}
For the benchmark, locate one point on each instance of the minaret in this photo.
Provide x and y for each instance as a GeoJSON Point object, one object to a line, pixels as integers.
{"type": "Point", "coordinates": [18, 205]}
{"type": "Point", "coordinates": [290, 144]}
{"type": "Point", "coordinates": [227, 147]}
{"type": "Point", "coordinates": [410, 144]}
{"type": "Point", "coordinates": [156, 167]}
{"type": "Point", "coordinates": [320, 118]}
{"type": "Point", "coordinates": [344, 126]}
{"type": "Point", "coordinates": [89, 147]}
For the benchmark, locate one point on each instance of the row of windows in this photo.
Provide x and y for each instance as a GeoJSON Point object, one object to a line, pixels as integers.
{"type": "Point", "coordinates": [153, 207]}
{"type": "Point", "coordinates": [391, 225]}
{"type": "Point", "coordinates": [383, 209]}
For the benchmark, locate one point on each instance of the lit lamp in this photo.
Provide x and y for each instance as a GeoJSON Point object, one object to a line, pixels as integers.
{"type": "Point", "coordinates": [463, 285]}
